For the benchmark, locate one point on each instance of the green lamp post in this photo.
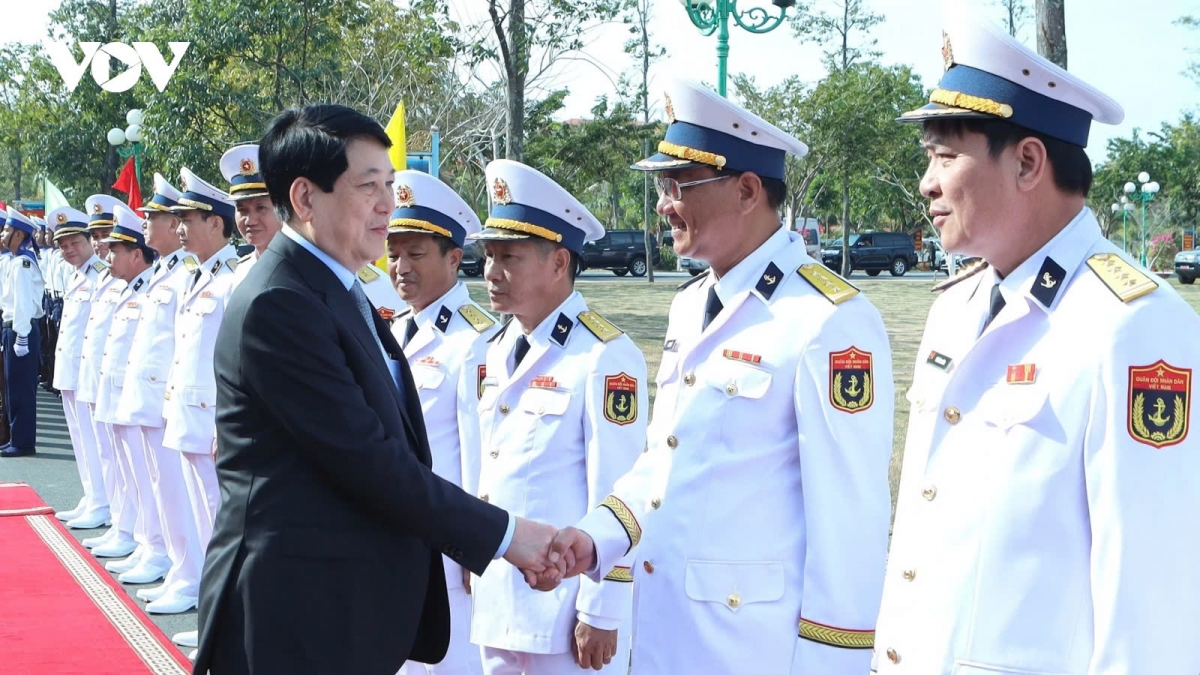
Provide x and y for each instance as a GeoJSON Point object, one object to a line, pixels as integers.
{"type": "Point", "coordinates": [713, 16]}
{"type": "Point", "coordinates": [1124, 207]}
{"type": "Point", "coordinates": [128, 141]}
{"type": "Point", "coordinates": [1144, 195]}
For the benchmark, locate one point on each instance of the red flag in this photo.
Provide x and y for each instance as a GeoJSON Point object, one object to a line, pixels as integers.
{"type": "Point", "coordinates": [127, 183]}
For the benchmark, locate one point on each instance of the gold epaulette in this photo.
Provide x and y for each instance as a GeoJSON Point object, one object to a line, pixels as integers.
{"type": "Point", "coordinates": [232, 264]}
{"type": "Point", "coordinates": [602, 328]}
{"type": "Point", "coordinates": [835, 289]}
{"type": "Point", "coordinates": [963, 274]}
{"type": "Point", "coordinates": [1125, 281]}
{"type": "Point", "coordinates": [478, 319]}
{"type": "Point", "coordinates": [367, 274]}
{"type": "Point", "coordinates": [98, 267]}
{"type": "Point", "coordinates": [191, 263]}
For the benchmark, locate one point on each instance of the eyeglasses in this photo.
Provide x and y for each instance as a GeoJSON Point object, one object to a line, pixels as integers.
{"type": "Point", "coordinates": [673, 189]}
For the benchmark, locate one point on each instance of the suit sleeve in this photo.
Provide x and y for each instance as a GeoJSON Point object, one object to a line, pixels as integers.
{"type": "Point", "coordinates": [615, 434]}
{"type": "Point", "coordinates": [292, 358]}
{"type": "Point", "coordinates": [845, 450]}
{"type": "Point", "coordinates": [1142, 477]}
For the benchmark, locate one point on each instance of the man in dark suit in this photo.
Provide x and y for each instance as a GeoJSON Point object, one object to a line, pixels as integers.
{"type": "Point", "coordinates": [326, 554]}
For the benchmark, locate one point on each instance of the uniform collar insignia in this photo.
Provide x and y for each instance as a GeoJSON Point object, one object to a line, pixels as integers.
{"type": "Point", "coordinates": [216, 266]}
{"type": "Point", "coordinates": [939, 361]}
{"type": "Point", "coordinates": [671, 345]}
{"type": "Point", "coordinates": [769, 281]}
{"type": "Point", "coordinates": [138, 285]}
{"type": "Point", "coordinates": [1048, 282]}
{"type": "Point", "coordinates": [443, 318]}
{"type": "Point", "coordinates": [562, 329]}
{"type": "Point", "coordinates": [171, 263]}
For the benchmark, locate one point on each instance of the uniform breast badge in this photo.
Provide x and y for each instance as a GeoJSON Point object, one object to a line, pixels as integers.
{"type": "Point", "coordinates": [1159, 404]}
{"type": "Point", "coordinates": [620, 399]}
{"type": "Point", "coordinates": [480, 376]}
{"type": "Point", "coordinates": [851, 388]}
{"type": "Point", "coordinates": [1021, 373]}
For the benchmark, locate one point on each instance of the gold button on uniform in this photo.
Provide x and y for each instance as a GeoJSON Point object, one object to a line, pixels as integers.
{"type": "Point", "coordinates": [503, 408]}
{"type": "Point", "coordinates": [203, 404]}
{"type": "Point", "coordinates": [909, 575]}
{"type": "Point", "coordinates": [689, 379]}
{"type": "Point", "coordinates": [952, 415]}
{"type": "Point", "coordinates": [483, 498]}
{"type": "Point", "coordinates": [893, 656]}
{"type": "Point", "coordinates": [494, 453]}
{"type": "Point", "coordinates": [655, 503]}
{"type": "Point", "coordinates": [646, 565]}
{"type": "Point", "coordinates": [735, 600]}
{"type": "Point", "coordinates": [731, 389]}
{"type": "Point", "coordinates": [929, 493]}
{"type": "Point", "coordinates": [672, 442]}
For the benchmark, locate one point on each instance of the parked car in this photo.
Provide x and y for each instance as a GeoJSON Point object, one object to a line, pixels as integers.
{"type": "Point", "coordinates": [472, 260]}
{"type": "Point", "coordinates": [622, 251]}
{"type": "Point", "coordinates": [874, 252]}
{"type": "Point", "coordinates": [1187, 266]}
{"type": "Point", "coordinates": [692, 266]}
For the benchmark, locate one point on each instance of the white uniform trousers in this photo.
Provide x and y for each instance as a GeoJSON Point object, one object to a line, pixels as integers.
{"type": "Point", "coordinates": [123, 513]}
{"type": "Point", "coordinates": [147, 530]}
{"type": "Point", "coordinates": [200, 477]}
{"type": "Point", "coordinates": [87, 461]}
{"type": "Point", "coordinates": [505, 662]}
{"type": "Point", "coordinates": [174, 514]}
{"type": "Point", "coordinates": [462, 657]}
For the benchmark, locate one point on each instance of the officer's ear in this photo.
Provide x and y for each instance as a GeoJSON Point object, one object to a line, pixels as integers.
{"type": "Point", "coordinates": [1032, 164]}
{"type": "Point", "coordinates": [750, 192]}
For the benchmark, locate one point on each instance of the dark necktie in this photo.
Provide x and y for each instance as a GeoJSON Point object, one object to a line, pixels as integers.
{"type": "Point", "coordinates": [714, 306]}
{"type": "Point", "coordinates": [410, 329]}
{"type": "Point", "coordinates": [195, 278]}
{"type": "Point", "coordinates": [520, 350]}
{"type": "Point", "coordinates": [996, 304]}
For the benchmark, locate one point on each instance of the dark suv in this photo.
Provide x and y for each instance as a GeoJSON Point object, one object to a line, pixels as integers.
{"type": "Point", "coordinates": [622, 251]}
{"type": "Point", "coordinates": [472, 260]}
{"type": "Point", "coordinates": [874, 252]}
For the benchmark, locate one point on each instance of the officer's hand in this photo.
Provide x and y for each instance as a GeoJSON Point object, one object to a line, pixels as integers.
{"type": "Point", "coordinates": [466, 580]}
{"type": "Point", "coordinates": [594, 648]}
{"type": "Point", "coordinates": [576, 548]}
{"type": "Point", "coordinates": [21, 348]}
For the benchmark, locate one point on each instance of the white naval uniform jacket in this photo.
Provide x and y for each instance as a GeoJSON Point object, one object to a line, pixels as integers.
{"type": "Point", "coordinates": [21, 295]}
{"type": "Point", "coordinates": [244, 264]}
{"type": "Point", "coordinates": [77, 304]}
{"type": "Point", "coordinates": [116, 349]}
{"type": "Point", "coordinates": [105, 300]}
{"type": "Point", "coordinates": [153, 350]}
{"type": "Point", "coordinates": [446, 357]}
{"type": "Point", "coordinates": [762, 504]}
{"type": "Point", "coordinates": [556, 433]}
{"type": "Point", "coordinates": [1047, 514]}
{"type": "Point", "coordinates": [191, 395]}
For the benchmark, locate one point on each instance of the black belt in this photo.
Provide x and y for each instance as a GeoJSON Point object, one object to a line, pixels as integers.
{"type": "Point", "coordinates": [8, 324]}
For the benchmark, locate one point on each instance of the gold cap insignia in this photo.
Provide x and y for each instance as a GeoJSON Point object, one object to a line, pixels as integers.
{"type": "Point", "coordinates": [62, 218]}
{"type": "Point", "coordinates": [183, 183]}
{"type": "Point", "coordinates": [405, 196]}
{"type": "Point", "coordinates": [670, 109]}
{"type": "Point", "coordinates": [96, 208]}
{"type": "Point", "coordinates": [947, 51]}
{"type": "Point", "coordinates": [247, 166]}
{"type": "Point", "coordinates": [500, 192]}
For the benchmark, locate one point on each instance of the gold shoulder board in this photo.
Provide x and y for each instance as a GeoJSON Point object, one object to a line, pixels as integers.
{"type": "Point", "coordinates": [1125, 281]}
{"type": "Point", "coordinates": [478, 319]}
{"type": "Point", "coordinates": [836, 289]}
{"type": "Point", "coordinates": [98, 266]}
{"type": "Point", "coordinates": [232, 264]}
{"type": "Point", "coordinates": [602, 328]}
{"type": "Point", "coordinates": [368, 274]}
{"type": "Point", "coordinates": [963, 274]}
{"type": "Point", "coordinates": [191, 263]}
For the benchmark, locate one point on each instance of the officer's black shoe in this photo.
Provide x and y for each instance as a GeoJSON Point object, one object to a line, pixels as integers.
{"type": "Point", "coordinates": [10, 451]}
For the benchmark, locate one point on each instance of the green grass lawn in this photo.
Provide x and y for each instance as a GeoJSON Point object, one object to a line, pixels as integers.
{"type": "Point", "coordinates": [641, 310]}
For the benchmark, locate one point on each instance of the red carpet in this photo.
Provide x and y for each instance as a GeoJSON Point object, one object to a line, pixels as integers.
{"type": "Point", "coordinates": [61, 613]}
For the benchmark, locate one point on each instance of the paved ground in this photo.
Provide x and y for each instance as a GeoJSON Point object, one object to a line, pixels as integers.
{"type": "Point", "coordinates": [53, 474]}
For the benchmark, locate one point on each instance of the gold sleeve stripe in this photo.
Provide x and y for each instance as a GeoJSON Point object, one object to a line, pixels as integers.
{"type": "Point", "coordinates": [837, 637]}
{"type": "Point", "coordinates": [628, 521]}
{"type": "Point", "coordinates": [956, 99]}
{"type": "Point", "coordinates": [622, 574]}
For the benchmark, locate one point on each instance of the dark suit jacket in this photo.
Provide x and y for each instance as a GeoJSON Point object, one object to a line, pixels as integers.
{"type": "Point", "coordinates": [326, 551]}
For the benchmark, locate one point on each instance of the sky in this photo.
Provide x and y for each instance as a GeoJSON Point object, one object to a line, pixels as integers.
{"type": "Point", "coordinates": [1129, 50]}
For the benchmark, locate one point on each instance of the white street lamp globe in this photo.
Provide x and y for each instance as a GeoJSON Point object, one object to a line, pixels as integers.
{"type": "Point", "coordinates": [1143, 177]}
{"type": "Point", "coordinates": [1124, 199]}
{"type": "Point", "coordinates": [116, 136]}
{"type": "Point", "coordinates": [1129, 206]}
{"type": "Point", "coordinates": [134, 117]}
{"type": "Point", "coordinates": [1153, 187]}
{"type": "Point", "coordinates": [1115, 207]}
{"type": "Point", "coordinates": [1130, 187]}
{"type": "Point", "coordinates": [133, 134]}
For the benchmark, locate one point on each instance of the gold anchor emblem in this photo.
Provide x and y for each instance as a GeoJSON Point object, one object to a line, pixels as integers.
{"type": "Point", "coordinates": [562, 328]}
{"type": "Point", "coordinates": [770, 279]}
{"type": "Point", "coordinates": [853, 389]}
{"type": "Point", "coordinates": [1048, 281]}
{"type": "Point", "coordinates": [1160, 406]}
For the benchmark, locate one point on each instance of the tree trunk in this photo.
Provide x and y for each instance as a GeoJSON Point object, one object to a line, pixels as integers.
{"type": "Point", "coordinates": [109, 175]}
{"type": "Point", "coordinates": [1052, 31]}
{"type": "Point", "coordinates": [18, 160]}
{"type": "Point", "coordinates": [518, 69]}
{"type": "Point", "coordinates": [846, 226]}
{"type": "Point", "coordinates": [651, 241]}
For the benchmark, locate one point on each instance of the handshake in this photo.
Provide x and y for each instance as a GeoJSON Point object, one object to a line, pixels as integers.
{"type": "Point", "coordinates": [547, 555]}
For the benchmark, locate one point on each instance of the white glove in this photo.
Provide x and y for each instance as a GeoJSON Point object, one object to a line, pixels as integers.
{"type": "Point", "coordinates": [21, 348]}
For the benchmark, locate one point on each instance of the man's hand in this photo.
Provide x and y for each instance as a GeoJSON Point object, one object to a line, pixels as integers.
{"type": "Point", "coordinates": [576, 549]}
{"type": "Point", "coordinates": [21, 347]}
{"type": "Point", "coordinates": [594, 648]}
{"type": "Point", "coordinates": [466, 580]}
{"type": "Point", "coordinates": [530, 551]}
